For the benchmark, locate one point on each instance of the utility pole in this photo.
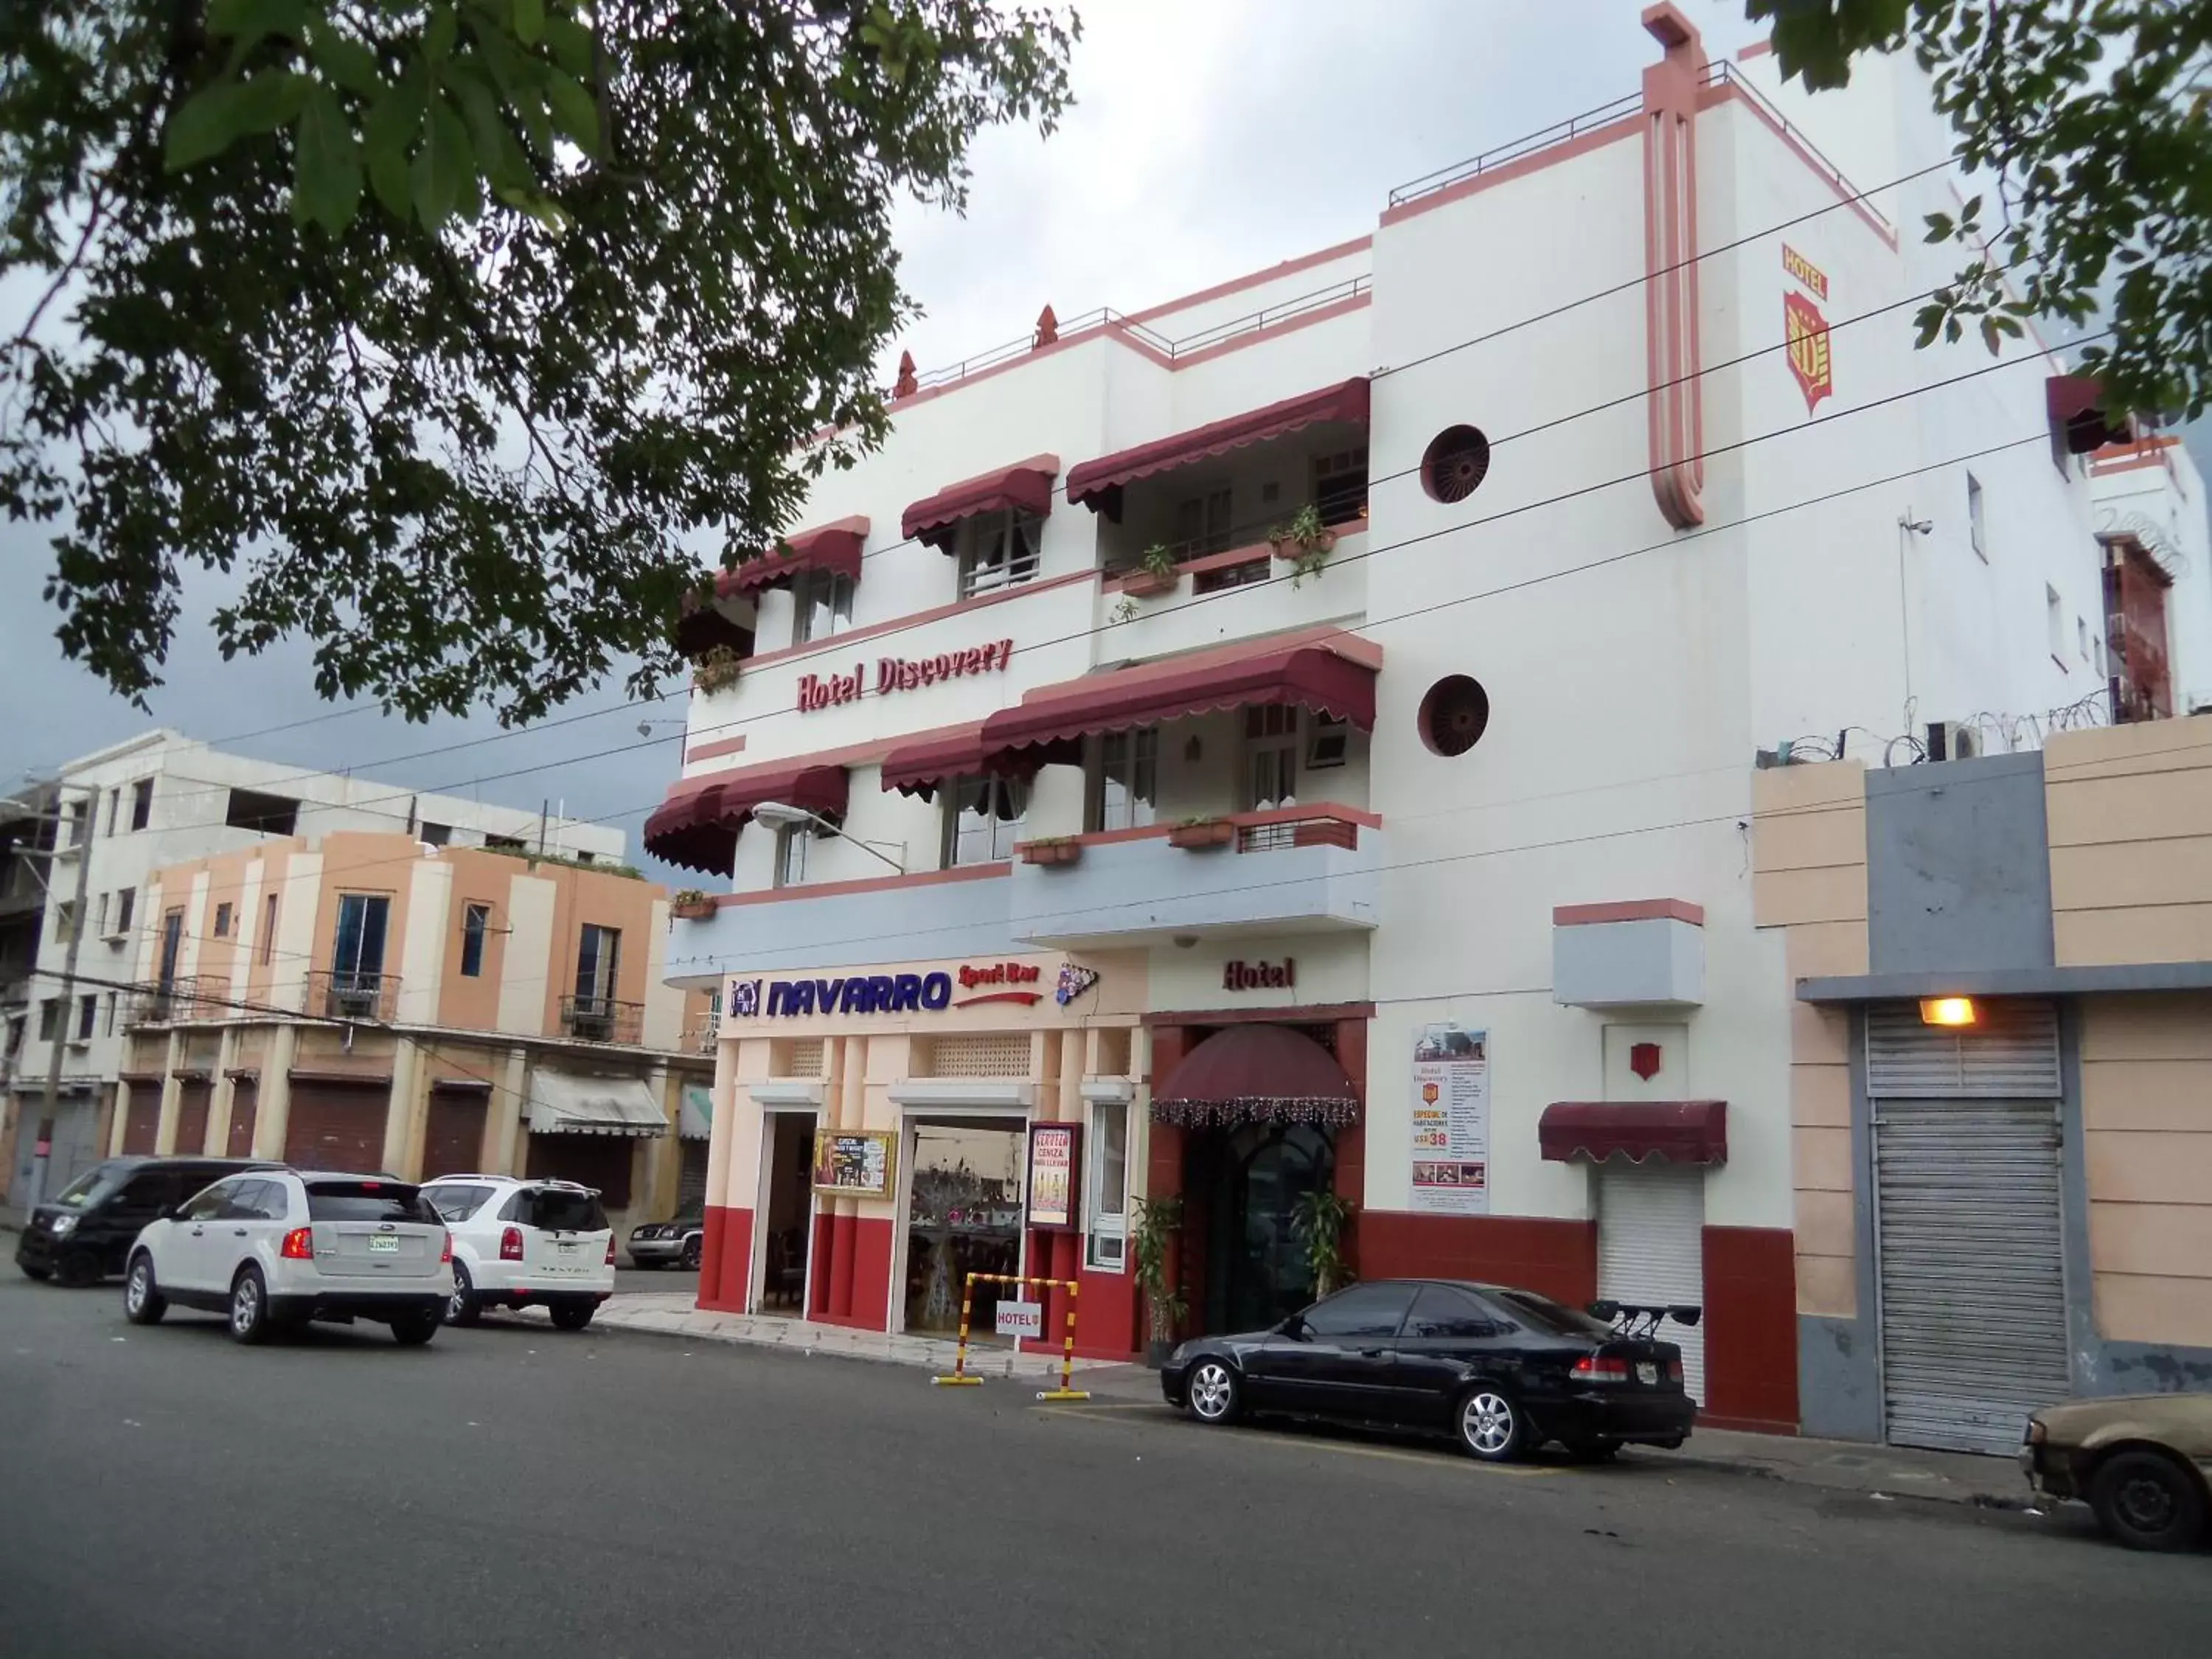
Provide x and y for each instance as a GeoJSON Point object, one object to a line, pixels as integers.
{"type": "Point", "coordinates": [51, 1099]}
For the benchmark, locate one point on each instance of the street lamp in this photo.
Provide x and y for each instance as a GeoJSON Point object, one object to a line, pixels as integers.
{"type": "Point", "coordinates": [779, 815]}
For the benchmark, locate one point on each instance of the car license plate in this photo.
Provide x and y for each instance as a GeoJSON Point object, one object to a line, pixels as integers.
{"type": "Point", "coordinates": [384, 1244]}
{"type": "Point", "coordinates": [567, 1249]}
{"type": "Point", "coordinates": [1647, 1370]}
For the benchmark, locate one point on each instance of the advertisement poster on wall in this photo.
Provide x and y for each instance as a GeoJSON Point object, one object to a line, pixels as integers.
{"type": "Point", "coordinates": [1451, 1121]}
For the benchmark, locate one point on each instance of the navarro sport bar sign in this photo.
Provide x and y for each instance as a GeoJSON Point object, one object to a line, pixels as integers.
{"type": "Point", "coordinates": [885, 994]}
{"type": "Point", "coordinates": [902, 674]}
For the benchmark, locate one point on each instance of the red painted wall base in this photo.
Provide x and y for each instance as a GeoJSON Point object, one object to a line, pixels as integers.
{"type": "Point", "coordinates": [1538, 1252]}
{"type": "Point", "coordinates": [1751, 1329]}
{"type": "Point", "coordinates": [726, 1259]}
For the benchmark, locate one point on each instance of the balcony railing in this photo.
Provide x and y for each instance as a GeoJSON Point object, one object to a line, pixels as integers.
{"type": "Point", "coordinates": [601, 1019]}
{"type": "Point", "coordinates": [352, 993]}
{"type": "Point", "coordinates": [1323, 831]}
{"type": "Point", "coordinates": [704, 1036]}
{"type": "Point", "coordinates": [179, 1002]}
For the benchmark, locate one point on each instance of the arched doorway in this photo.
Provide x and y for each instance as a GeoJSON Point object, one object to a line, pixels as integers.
{"type": "Point", "coordinates": [1256, 1266]}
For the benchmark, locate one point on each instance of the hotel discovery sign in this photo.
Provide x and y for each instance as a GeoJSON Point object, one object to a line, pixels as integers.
{"type": "Point", "coordinates": [902, 674]}
{"type": "Point", "coordinates": [886, 994]}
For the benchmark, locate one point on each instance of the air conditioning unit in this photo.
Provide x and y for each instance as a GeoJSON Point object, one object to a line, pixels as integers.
{"type": "Point", "coordinates": [1950, 740]}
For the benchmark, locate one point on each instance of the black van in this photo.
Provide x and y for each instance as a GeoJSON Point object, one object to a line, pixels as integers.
{"type": "Point", "coordinates": [84, 1233]}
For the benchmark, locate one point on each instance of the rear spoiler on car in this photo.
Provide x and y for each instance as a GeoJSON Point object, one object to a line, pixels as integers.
{"type": "Point", "coordinates": [1643, 1319]}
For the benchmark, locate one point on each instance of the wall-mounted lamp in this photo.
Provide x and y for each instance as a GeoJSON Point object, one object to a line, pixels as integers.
{"type": "Point", "coordinates": [1948, 1011]}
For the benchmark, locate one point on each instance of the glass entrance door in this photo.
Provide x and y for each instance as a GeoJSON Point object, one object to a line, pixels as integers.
{"type": "Point", "coordinates": [1256, 1269]}
{"type": "Point", "coordinates": [964, 1216]}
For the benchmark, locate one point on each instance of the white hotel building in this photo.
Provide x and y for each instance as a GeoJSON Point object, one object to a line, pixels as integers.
{"type": "Point", "coordinates": [1422, 870]}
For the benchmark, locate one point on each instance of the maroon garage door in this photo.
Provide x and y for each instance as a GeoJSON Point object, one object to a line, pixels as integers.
{"type": "Point", "coordinates": [244, 1105]}
{"type": "Point", "coordinates": [337, 1126]}
{"type": "Point", "coordinates": [453, 1142]}
{"type": "Point", "coordinates": [143, 1119]}
{"type": "Point", "coordinates": [191, 1119]}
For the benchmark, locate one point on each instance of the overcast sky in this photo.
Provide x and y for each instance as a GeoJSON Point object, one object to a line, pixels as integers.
{"type": "Point", "coordinates": [1208, 140]}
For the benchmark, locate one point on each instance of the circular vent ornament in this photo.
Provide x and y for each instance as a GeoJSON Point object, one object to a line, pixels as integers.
{"type": "Point", "coordinates": [1454, 714]}
{"type": "Point", "coordinates": [1456, 462]}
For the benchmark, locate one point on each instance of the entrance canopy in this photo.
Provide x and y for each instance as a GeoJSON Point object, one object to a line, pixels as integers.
{"type": "Point", "coordinates": [1324, 669]}
{"type": "Point", "coordinates": [562, 1105]}
{"type": "Point", "coordinates": [697, 825]}
{"type": "Point", "coordinates": [1673, 1130]}
{"type": "Point", "coordinates": [1256, 1074]}
{"type": "Point", "coordinates": [1098, 484]}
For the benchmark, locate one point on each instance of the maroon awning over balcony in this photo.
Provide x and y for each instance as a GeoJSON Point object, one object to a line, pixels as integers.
{"type": "Point", "coordinates": [1256, 1074]}
{"type": "Point", "coordinates": [832, 547]}
{"type": "Point", "coordinates": [696, 827]}
{"type": "Point", "coordinates": [917, 768]}
{"type": "Point", "coordinates": [702, 629]}
{"type": "Point", "coordinates": [1098, 484]}
{"type": "Point", "coordinates": [1677, 1131]}
{"type": "Point", "coordinates": [2081, 420]}
{"type": "Point", "coordinates": [1026, 487]}
{"type": "Point", "coordinates": [1326, 670]}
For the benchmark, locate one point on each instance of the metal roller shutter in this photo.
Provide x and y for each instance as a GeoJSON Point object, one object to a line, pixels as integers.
{"type": "Point", "coordinates": [452, 1141]}
{"type": "Point", "coordinates": [1967, 1225]}
{"type": "Point", "coordinates": [336, 1126]}
{"type": "Point", "coordinates": [192, 1100]}
{"type": "Point", "coordinates": [1651, 1244]}
{"type": "Point", "coordinates": [691, 1179]}
{"type": "Point", "coordinates": [244, 1105]}
{"type": "Point", "coordinates": [142, 1120]}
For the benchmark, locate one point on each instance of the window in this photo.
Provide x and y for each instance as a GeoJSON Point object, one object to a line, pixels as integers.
{"type": "Point", "coordinates": [2054, 618]}
{"type": "Point", "coordinates": [107, 1026]}
{"type": "Point", "coordinates": [1977, 526]}
{"type": "Point", "coordinates": [456, 1201]}
{"type": "Point", "coordinates": [1340, 485]}
{"type": "Point", "coordinates": [87, 1016]}
{"type": "Point", "coordinates": [212, 1202]}
{"type": "Point", "coordinates": [264, 815]}
{"type": "Point", "coordinates": [1203, 524]}
{"type": "Point", "coordinates": [114, 808]}
{"type": "Point", "coordinates": [142, 803]}
{"type": "Point", "coordinates": [598, 962]}
{"type": "Point", "coordinates": [64, 921]}
{"type": "Point", "coordinates": [434, 835]}
{"type": "Point", "coordinates": [1000, 549]}
{"type": "Point", "coordinates": [556, 1210]}
{"type": "Point", "coordinates": [126, 905]}
{"type": "Point", "coordinates": [152, 1191]}
{"type": "Point", "coordinates": [1545, 1315]}
{"type": "Point", "coordinates": [50, 1018]}
{"type": "Point", "coordinates": [100, 915]}
{"type": "Point", "coordinates": [269, 928]}
{"type": "Point", "coordinates": [357, 954]}
{"type": "Point", "coordinates": [983, 819]}
{"type": "Point", "coordinates": [1271, 757]}
{"type": "Point", "coordinates": [476, 922]}
{"type": "Point", "coordinates": [366, 1200]}
{"type": "Point", "coordinates": [80, 823]}
{"type": "Point", "coordinates": [822, 606]}
{"type": "Point", "coordinates": [1372, 1310]}
{"type": "Point", "coordinates": [2082, 635]}
{"type": "Point", "coordinates": [791, 843]}
{"type": "Point", "coordinates": [1442, 1313]}
{"type": "Point", "coordinates": [1327, 742]}
{"type": "Point", "coordinates": [255, 1201]}
{"type": "Point", "coordinates": [1109, 1179]}
{"type": "Point", "coordinates": [222, 921]}
{"type": "Point", "coordinates": [506, 844]}
{"type": "Point", "coordinates": [173, 939]}
{"type": "Point", "coordinates": [1125, 777]}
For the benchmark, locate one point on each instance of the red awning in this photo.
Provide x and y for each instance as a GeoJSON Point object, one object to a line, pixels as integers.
{"type": "Point", "coordinates": [833, 547]}
{"type": "Point", "coordinates": [1098, 484]}
{"type": "Point", "coordinates": [1256, 1074]}
{"type": "Point", "coordinates": [696, 827]}
{"type": "Point", "coordinates": [1324, 670]}
{"type": "Point", "coordinates": [701, 628]}
{"type": "Point", "coordinates": [1677, 1131]}
{"type": "Point", "coordinates": [917, 768]}
{"type": "Point", "coordinates": [1023, 488]}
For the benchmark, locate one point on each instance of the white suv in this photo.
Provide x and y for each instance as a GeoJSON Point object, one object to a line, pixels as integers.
{"type": "Point", "coordinates": [276, 1247]}
{"type": "Point", "coordinates": [525, 1244]}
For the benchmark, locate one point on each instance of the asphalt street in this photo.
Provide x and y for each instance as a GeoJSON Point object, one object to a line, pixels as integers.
{"type": "Point", "coordinates": [513, 1490]}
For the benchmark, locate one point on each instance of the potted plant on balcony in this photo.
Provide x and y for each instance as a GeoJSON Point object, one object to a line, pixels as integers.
{"type": "Point", "coordinates": [1156, 572]}
{"type": "Point", "coordinates": [1199, 834]}
{"type": "Point", "coordinates": [1305, 541]}
{"type": "Point", "coordinates": [716, 669]}
{"type": "Point", "coordinates": [1152, 1243]}
{"type": "Point", "coordinates": [1318, 1219]}
{"type": "Point", "coordinates": [1048, 850]}
{"type": "Point", "coordinates": [689, 904]}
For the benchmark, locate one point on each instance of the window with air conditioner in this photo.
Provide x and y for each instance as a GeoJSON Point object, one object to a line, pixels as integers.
{"type": "Point", "coordinates": [822, 605]}
{"type": "Point", "coordinates": [1124, 788]}
{"type": "Point", "coordinates": [999, 550]}
{"type": "Point", "coordinates": [983, 819]}
{"type": "Point", "coordinates": [1329, 743]}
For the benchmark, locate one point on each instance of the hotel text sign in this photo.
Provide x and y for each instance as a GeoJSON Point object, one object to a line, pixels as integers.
{"type": "Point", "coordinates": [902, 674]}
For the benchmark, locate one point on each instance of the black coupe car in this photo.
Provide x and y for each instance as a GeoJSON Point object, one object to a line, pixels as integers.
{"type": "Point", "coordinates": [1504, 1370]}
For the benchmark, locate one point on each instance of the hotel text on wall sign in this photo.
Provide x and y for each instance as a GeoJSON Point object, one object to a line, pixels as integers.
{"type": "Point", "coordinates": [902, 674]}
{"type": "Point", "coordinates": [1260, 976]}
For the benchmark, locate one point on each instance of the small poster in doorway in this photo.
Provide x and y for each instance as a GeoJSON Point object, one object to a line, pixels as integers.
{"type": "Point", "coordinates": [1451, 1121]}
{"type": "Point", "coordinates": [853, 1164]}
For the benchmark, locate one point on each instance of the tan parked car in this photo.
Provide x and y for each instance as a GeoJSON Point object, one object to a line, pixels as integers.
{"type": "Point", "coordinates": [2143, 1462]}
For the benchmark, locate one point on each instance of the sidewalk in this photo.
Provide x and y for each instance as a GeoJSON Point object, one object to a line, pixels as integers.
{"type": "Point", "coordinates": [1884, 1472]}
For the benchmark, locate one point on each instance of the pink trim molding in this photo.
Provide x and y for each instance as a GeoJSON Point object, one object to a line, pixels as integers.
{"type": "Point", "coordinates": [1666, 909]}
{"type": "Point", "coordinates": [871, 884]}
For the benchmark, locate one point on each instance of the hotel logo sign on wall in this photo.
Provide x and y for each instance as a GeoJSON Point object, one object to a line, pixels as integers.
{"type": "Point", "coordinates": [1805, 331]}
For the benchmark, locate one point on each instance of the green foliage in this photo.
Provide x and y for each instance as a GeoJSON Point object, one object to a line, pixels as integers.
{"type": "Point", "coordinates": [1151, 1241]}
{"type": "Point", "coordinates": [717, 669]}
{"type": "Point", "coordinates": [459, 329]}
{"type": "Point", "coordinates": [1313, 540]}
{"type": "Point", "coordinates": [2093, 121]}
{"type": "Point", "coordinates": [1157, 561]}
{"type": "Point", "coordinates": [1318, 1219]}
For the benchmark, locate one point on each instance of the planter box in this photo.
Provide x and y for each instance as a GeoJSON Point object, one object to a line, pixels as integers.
{"type": "Point", "coordinates": [1144, 584]}
{"type": "Point", "coordinates": [693, 910]}
{"type": "Point", "coordinates": [1197, 837]}
{"type": "Point", "coordinates": [1051, 853]}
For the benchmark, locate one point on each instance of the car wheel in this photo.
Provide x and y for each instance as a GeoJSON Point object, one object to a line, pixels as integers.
{"type": "Point", "coordinates": [572, 1315]}
{"type": "Point", "coordinates": [1212, 1393]}
{"type": "Point", "coordinates": [2148, 1501]}
{"type": "Point", "coordinates": [142, 1301]}
{"type": "Point", "coordinates": [462, 1309]}
{"type": "Point", "coordinates": [77, 1272]}
{"type": "Point", "coordinates": [415, 1330]}
{"type": "Point", "coordinates": [249, 1308]}
{"type": "Point", "coordinates": [42, 1274]}
{"type": "Point", "coordinates": [689, 1259]}
{"type": "Point", "coordinates": [1491, 1427]}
